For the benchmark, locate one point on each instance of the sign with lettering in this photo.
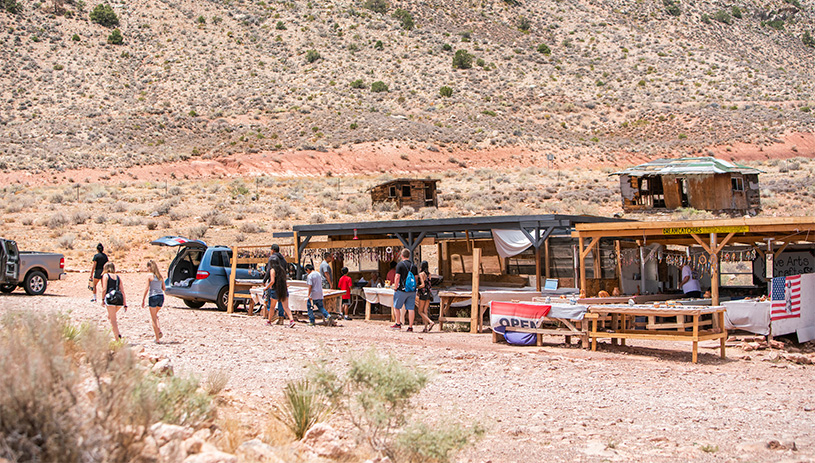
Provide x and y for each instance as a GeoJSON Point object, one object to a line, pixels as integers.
{"type": "Point", "coordinates": [789, 263]}
{"type": "Point", "coordinates": [705, 230]}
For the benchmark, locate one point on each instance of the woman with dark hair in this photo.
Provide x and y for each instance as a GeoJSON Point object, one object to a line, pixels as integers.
{"type": "Point", "coordinates": [424, 296]}
{"type": "Point", "coordinates": [99, 261]}
{"type": "Point", "coordinates": [276, 290]}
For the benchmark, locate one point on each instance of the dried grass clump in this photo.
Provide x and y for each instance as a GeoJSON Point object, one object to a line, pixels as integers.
{"type": "Point", "coordinates": [250, 227]}
{"type": "Point", "coordinates": [198, 231]}
{"type": "Point", "coordinates": [68, 395]}
{"type": "Point", "coordinates": [216, 218]}
{"type": "Point", "coordinates": [57, 220]}
{"type": "Point", "coordinates": [80, 217]}
{"type": "Point", "coordinates": [66, 241]}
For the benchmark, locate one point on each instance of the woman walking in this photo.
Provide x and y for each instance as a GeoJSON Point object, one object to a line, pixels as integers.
{"type": "Point", "coordinates": [425, 296]}
{"type": "Point", "coordinates": [114, 296]}
{"type": "Point", "coordinates": [276, 290]}
{"type": "Point", "coordinates": [154, 293]}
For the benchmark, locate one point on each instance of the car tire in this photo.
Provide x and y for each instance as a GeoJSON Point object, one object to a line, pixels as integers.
{"type": "Point", "coordinates": [223, 299]}
{"type": "Point", "coordinates": [7, 288]}
{"type": "Point", "coordinates": [194, 304]}
{"type": "Point", "coordinates": [35, 283]}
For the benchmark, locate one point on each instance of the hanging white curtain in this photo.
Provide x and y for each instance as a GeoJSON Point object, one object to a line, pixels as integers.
{"type": "Point", "coordinates": [510, 242]}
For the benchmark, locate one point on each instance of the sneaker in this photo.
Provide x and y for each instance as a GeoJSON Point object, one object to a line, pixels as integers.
{"type": "Point", "coordinates": [311, 324]}
{"type": "Point", "coordinates": [268, 323]}
{"type": "Point", "coordinates": [93, 299]}
{"type": "Point", "coordinates": [329, 321]}
{"type": "Point", "coordinates": [292, 323]}
{"type": "Point", "coordinates": [396, 326]}
{"type": "Point", "coordinates": [410, 329]}
{"type": "Point", "coordinates": [347, 317]}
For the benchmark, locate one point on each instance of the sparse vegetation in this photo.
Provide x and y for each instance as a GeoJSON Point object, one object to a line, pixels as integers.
{"type": "Point", "coordinates": [405, 19]}
{"type": "Point", "coordinates": [378, 6]}
{"type": "Point", "coordinates": [312, 56]}
{"type": "Point", "coordinates": [379, 86]}
{"type": "Point", "coordinates": [115, 37]}
{"type": "Point", "coordinates": [446, 91]}
{"type": "Point", "coordinates": [544, 49]}
{"type": "Point", "coordinates": [672, 7]}
{"type": "Point", "coordinates": [807, 39]}
{"type": "Point", "coordinates": [462, 60]}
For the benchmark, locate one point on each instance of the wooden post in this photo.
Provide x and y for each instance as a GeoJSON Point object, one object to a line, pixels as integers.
{"type": "Point", "coordinates": [581, 265]}
{"type": "Point", "coordinates": [446, 264]}
{"type": "Point", "coordinates": [546, 259]}
{"type": "Point", "coordinates": [474, 311]}
{"type": "Point", "coordinates": [714, 271]}
{"type": "Point", "coordinates": [230, 307]}
{"type": "Point", "coordinates": [538, 269]}
{"type": "Point", "coordinates": [296, 249]}
{"type": "Point", "coordinates": [619, 265]}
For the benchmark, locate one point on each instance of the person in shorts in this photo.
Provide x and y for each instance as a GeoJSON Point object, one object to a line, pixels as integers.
{"type": "Point", "coordinates": [404, 301]}
{"type": "Point", "coordinates": [315, 296]}
{"type": "Point", "coordinates": [99, 260]}
{"type": "Point", "coordinates": [154, 294]}
{"type": "Point", "coordinates": [113, 297]}
{"type": "Point", "coordinates": [425, 295]}
{"type": "Point", "coordinates": [345, 284]}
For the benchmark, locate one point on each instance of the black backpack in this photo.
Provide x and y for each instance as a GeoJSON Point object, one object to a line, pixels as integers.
{"type": "Point", "coordinates": [114, 295]}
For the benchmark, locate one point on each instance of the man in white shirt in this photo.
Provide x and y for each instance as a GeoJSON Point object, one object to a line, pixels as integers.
{"type": "Point", "coordinates": [690, 286]}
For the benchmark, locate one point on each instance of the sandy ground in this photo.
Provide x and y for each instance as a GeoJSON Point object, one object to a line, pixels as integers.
{"type": "Point", "coordinates": [645, 402]}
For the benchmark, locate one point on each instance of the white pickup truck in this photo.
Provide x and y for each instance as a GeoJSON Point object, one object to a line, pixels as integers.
{"type": "Point", "coordinates": [30, 270]}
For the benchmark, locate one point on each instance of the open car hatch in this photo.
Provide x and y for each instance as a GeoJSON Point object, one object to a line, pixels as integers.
{"type": "Point", "coordinates": [172, 241]}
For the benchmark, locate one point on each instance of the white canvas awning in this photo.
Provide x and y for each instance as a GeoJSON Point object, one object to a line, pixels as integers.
{"type": "Point", "coordinates": [510, 242]}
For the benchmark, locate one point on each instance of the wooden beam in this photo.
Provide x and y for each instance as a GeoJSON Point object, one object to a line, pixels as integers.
{"type": "Point", "coordinates": [538, 269]}
{"type": "Point", "coordinates": [230, 307]}
{"type": "Point", "coordinates": [724, 243]}
{"type": "Point", "coordinates": [363, 243]}
{"type": "Point", "coordinates": [776, 254]}
{"type": "Point", "coordinates": [585, 252]}
{"type": "Point", "coordinates": [297, 253]}
{"type": "Point", "coordinates": [475, 309]}
{"type": "Point", "coordinates": [701, 243]}
{"type": "Point", "coordinates": [582, 257]}
{"type": "Point", "coordinates": [619, 264]}
{"type": "Point", "coordinates": [714, 283]}
{"type": "Point", "coordinates": [546, 259]}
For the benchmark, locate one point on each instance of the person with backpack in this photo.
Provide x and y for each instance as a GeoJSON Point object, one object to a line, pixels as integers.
{"type": "Point", "coordinates": [424, 295]}
{"type": "Point", "coordinates": [154, 294]}
{"type": "Point", "coordinates": [405, 294]}
{"type": "Point", "coordinates": [113, 297]}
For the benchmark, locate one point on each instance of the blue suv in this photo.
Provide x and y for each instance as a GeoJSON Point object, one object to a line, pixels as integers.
{"type": "Point", "coordinates": [199, 273]}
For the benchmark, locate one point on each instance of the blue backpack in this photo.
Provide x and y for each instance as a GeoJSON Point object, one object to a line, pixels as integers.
{"type": "Point", "coordinates": [410, 280]}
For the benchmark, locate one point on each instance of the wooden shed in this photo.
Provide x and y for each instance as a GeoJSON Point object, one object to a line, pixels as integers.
{"type": "Point", "coordinates": [413, 192]}
{"type": "Point", "coordinates": [704, 183]}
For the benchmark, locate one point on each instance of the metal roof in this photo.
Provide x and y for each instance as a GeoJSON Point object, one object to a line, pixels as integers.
{"type": "Point", "coordinates": [688, 166]}
{"type": "Point", "coordinates": [403, 180]}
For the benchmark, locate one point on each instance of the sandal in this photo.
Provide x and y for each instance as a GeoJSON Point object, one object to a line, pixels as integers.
{"type": "Point", "coordinates": [432, 324]}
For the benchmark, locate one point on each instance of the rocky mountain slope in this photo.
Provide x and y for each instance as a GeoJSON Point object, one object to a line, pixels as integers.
{"type": "Point", "coordinates": [570, 77]}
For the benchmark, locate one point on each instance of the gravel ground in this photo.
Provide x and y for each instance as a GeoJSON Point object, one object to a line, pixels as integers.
{"type": "Point", "coordinates": [643, 402]}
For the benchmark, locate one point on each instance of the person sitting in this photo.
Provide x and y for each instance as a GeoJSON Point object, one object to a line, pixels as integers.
{"type": "Point", "coordinates": [376, 281]}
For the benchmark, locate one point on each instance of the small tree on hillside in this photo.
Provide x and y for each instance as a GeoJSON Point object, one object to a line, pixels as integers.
{"type": "Point", "coordinates": [104, 15]}
{"type": "Point", "coordinates": [807, 39]}
{"type": "Point", "coordinates": [462, 60]}
{"type": "Point", "coordinates": [115, 37]}
{"type": "Point", "coordinates": [378, 6]}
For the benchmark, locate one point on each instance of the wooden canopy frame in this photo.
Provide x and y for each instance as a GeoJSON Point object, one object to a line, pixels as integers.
{"type": "Point", "coordinates": [711, 235]}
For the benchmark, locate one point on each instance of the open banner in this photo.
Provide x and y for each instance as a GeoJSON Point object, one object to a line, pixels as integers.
{"type": "Point", "coordinates": [517, 314]}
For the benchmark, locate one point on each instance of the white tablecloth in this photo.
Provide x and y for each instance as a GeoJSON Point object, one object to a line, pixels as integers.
{"type": "Point", "coordinates": [298, 296]}
{"type": "Point", "coordinates": [382, 296]}
{"type": "Point", "coordinates": [748, 315]}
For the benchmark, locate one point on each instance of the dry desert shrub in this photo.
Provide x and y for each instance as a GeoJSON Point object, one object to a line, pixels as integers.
{"type": "Point", "coordinates": [80, 217]}
{"type": "Point", "coordinates": [66, 241]}
{"type": "Point", "coordinates": [216, 218]}
{"type": "Point", "coordinates": [57, 220]}
{"type": "Point", "coordinates": [198, 231]}
{"type": "Point", "coordinates": [250, 227]}
{"type": "Point", "coordinates": [68, 395]}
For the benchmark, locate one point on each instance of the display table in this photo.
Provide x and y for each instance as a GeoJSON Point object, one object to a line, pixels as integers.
{"type": "Point", "coordinates": [298, 297]}
{"type": "Point", "coordinates": [449, 298]}
{"type": "Point", "coordinates": [750, 315]}
{"type": "Point", "coordinates": [623, 327]}
{"type": "Point", "coordinates": [383, 296]}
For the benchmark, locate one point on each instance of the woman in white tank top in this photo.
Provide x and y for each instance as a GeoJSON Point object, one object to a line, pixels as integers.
{"type": "Point", "coordinates": [154, 293]}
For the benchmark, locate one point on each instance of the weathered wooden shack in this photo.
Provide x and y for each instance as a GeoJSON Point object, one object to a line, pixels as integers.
{"type": "Point", "coordinates": [704, 183]}
{"type": "Point", "coordinates": [414, 192]}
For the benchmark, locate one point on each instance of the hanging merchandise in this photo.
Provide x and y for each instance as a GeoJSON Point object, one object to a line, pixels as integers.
{"type": "Point", "coordinates": [256, 253]}
{"type": "Point", "coordinates": [354, 256]}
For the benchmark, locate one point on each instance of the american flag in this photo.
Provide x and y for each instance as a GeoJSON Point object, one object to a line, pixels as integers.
{"type": "Point", "coordinates": [786, 298]}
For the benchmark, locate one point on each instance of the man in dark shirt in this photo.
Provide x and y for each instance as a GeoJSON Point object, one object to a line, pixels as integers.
{"type": "Point", "coordinates": [99, 261]}
{"type": "Point", "coordinates": [402, 298]}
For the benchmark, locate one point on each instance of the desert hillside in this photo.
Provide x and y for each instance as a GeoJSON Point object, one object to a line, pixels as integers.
{"type": "Point", "coordinates": [602, 79]}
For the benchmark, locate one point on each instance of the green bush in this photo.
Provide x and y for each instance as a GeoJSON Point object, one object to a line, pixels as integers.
{"type": "Point", "coordinates": [777, 24]}
{"type": "Point", "coordinates": [422, 443]}
{"type": "Point", "coordinates": [447, 47]}
{"type": "Point", "coordinates": [115, 37]}
{"type": "Point", "coordinates": [201, 20]}
{"type": "Point", "coordinates": [543, 48]}
{"type": "Point", "coordinates": [104, 15]}
{"type": "Point", "coordinates": [672, 7]}
{"type": "Point", "coordinates": [705, 18]}
{"type": "Point", "coordinates": [807, 39]}
{"type": "Point", "coordinates": [11, 6]}
{"type": "Point", "coordinates": [280, 26]}
{"type": "Point", "coordinates": [379, 86]}
{"type": "Point", "coordinates": [312, 56]}
{"type": "Point", "coordinates": [304, 405]}
{"type": "Point", "coordinates": [378, 45]}
{"type": "Point", "coordinates": [58, 67]}
{"type": "Point", "coordinates": [723, 17]}
{"type": "Point", "coordinates": [405, 17]}
{"type": "Point", "coordinates": [524, 24]}
{"type": "Point", "coordinates": [446, 91]}
{"type": "Point", "coordinates": [480, 63]}
{"type": "Point", "coordinates": [75, 37]}
{"type": "Point", "coordinates": [462, 60]}
{"type": "Point", "coordinates": [359, 83]}
{"type": "Point", "coordinates": [736, 11]}
{"type": "Point", "coordinates": [378, 6]}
